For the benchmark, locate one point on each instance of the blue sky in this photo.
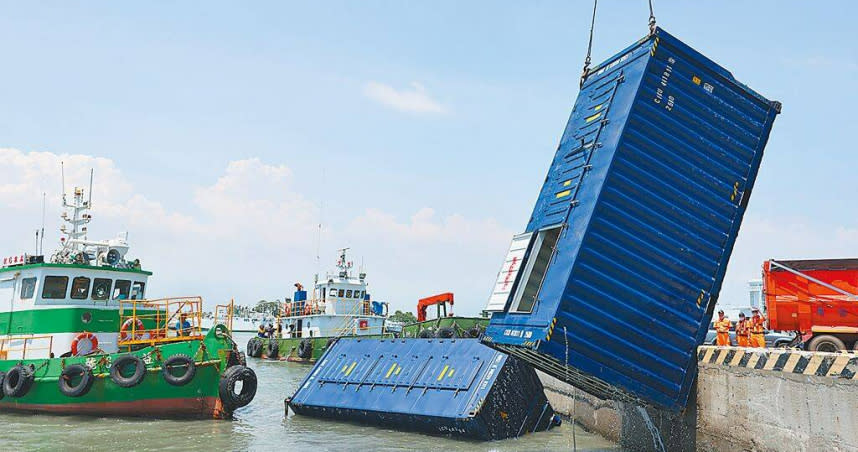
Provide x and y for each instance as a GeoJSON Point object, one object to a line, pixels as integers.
{"type": "Point", "coordinates": [419, 133]}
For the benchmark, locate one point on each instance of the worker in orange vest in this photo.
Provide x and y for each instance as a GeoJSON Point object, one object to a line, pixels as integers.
{"type": "Point", "coordinates": [722, 327]}
{"type": "Point", "coordinates": [743, 331]}
{"type": "Point", "coordinates": [758, 329]}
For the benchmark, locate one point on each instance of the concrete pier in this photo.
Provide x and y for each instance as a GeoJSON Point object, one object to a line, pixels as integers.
{"type": "Point", "coordinates": [751, 399]}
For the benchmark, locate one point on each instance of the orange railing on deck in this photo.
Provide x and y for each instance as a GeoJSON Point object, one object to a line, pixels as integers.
{"type": "Point", "coordinates": [160, 320]}
{"type": "Point", "coordinates": [5, 348]}
{"type": "Point", "coordinates": [223, 314]}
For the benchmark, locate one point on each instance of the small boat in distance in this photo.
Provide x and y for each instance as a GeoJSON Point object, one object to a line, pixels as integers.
{"type": "Point", "coordinates": [340, 306]}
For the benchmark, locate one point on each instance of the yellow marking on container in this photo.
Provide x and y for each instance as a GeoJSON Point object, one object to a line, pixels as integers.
{"type": "Point", "coordinates": [813, 365]}
{"type": "Point", "coordinates": [696, 80]}
{"type": "Point", "coordinates": [450, 373]}
{"type": "Point", "coordinates": [567, 183]}
{"type": "Point", "coordinates": [598, 107]}
{"type": "Point", "coordinates": [737, 358]}
{"type": "Point", "coordinates": [345, 366]}
{"type": "Point", "coordinates": [563, 194]}
{"type": "Point", "coordinates": [398, 368]}
{"type": "Point", "coordinates": [443, 371]}
{"type": "Point", "coordinates": [839, 364]}
{"type": "Point", "coordinates": [592, 118]}
{"type": "Point", "coordinates": [753, 361]}
{"type": "Point", "coordinates": [791, 362]}
{"type": "Point", "coordinates": [351, 368]}
{"type": "Point", "coordinates": [390, 371]}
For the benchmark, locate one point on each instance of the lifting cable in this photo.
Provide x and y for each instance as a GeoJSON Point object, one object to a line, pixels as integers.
{"type": "Point", "coordinates": [586, 71]}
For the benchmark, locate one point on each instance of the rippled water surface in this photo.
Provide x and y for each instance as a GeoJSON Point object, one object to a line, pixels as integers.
{"type": "Point", "coordinates": [259, 426]}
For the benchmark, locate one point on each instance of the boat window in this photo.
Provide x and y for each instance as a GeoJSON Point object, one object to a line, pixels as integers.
{"type": "Point", "coordinates": [55, 287]}
{"type": "Point", "coordinates": [323, 294]}
{"type": "Point", "coordinates": [101, 289]}
{"type": "Point", "coordinates": [349, 293]}
{"type": "Point", "coordinates": [80, 288]}
{"type": "Point", "coordinates": [137, 290]}
{"type": "Point", "coordinates": [121, 289]}
{"type": "Point", "coordinates": [359, 294]}
{"type": "Point", "coordinates": [28, 288]}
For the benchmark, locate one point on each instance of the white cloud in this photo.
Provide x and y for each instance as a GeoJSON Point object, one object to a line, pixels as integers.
{"type": "Point", "coordinates": [251, 233]}
{"type": "Point", "coordinates": [414, 100]}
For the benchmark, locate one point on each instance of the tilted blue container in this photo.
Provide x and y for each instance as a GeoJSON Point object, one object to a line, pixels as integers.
{"type": "Point", "coordinates": [455, 387]}
{"type": "Point", "coordinates": [613, 284]}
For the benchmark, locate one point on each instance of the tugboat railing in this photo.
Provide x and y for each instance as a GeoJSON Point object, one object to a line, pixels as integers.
{"type": "Point", "coordinates": [5, 343]}
{"type": "Point", "coordinates": [160, 320]}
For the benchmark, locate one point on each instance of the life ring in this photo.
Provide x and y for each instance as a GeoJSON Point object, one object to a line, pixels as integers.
{"type": "Point", "coordinates": [18, 381]}
{"type": "Point", "coordinates": [179, 362]}
{"type": "Point", "coordinates": [140, 332]}
{"type": "Point", "coordinates": [226, 388]}
{"type": "Point", "coordinates": [71, 389]}
{"type": "Point", "coordinates": [84, 344]}
{"type": "Point", "coordinates": [119, 367]}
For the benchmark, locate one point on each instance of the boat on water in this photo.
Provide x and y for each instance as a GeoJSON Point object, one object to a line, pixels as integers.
{"type": "Point", "coordinates": [444, 324]}
{"type": "Point", "coordinates": [239, 323]}
{"type": "Point", "coordinates": [79, 336]}
{"type": "Point", "coordinates": [339, 306]}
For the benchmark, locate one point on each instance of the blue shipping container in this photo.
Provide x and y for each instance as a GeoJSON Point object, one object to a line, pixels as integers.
{"type": "Point", "coordinates": [453, 387]}
{"type": "Point", "coordinates": [627, 246]}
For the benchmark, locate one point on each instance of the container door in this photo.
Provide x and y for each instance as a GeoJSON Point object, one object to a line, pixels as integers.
{"type": "Point", "coordinates": [509, 272]}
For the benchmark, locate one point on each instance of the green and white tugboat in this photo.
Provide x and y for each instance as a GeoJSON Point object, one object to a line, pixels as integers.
{"type": "Point", "coordinates": [340, 306]}
{"type": "Point", "coordinates": [78, 336]}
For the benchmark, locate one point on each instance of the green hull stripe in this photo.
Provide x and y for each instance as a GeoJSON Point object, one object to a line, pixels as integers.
{"type": "Point", "coordinates": [85, 267]}
{"type": "Point", "coordinates": [60, 320]}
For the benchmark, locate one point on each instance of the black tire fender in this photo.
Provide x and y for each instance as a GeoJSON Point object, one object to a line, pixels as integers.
{"type": "Point", "coordinates": [226, 388]}
{"type": "Point", "coordinates": [330, 342]}
{"type": "Point", "coordinates": [474, 331]}
{"type": "Point", "coordinates": [251, 346]}
{"type": "Point", "coordinates": [2, 392]}
{"type": "Point", "coordinates": [82, 387]}
{"type": "Point", "coordinates": [17, 381]}
{"type": "Point", "coordinates": [272, 349]}
{"type": "Point", "coordinates": [305, 348]}
{"type": "Point", "coordinates": [178, 362]}
{"type": "Point", "coordinates": [256, 351]}
{"type": "Point", "coordinates": [131, 380]}
{"type": "Point", "coordinates": [425, 334]}
{"type": "Point", "coordinates": [236, 358]}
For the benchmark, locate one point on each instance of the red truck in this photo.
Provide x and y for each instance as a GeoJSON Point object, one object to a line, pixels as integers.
{"type": "Point", "coordinates": [816, 298]}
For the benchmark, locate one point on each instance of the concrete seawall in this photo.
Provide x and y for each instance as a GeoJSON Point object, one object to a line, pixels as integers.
{"type": "Point", "coordinates": [746, 399]}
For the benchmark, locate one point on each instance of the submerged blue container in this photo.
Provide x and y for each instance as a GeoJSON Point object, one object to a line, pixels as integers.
{"type": "Point", "coordinates": [613, 284]}
{"type": "Point", "coordinates": [455, 387]}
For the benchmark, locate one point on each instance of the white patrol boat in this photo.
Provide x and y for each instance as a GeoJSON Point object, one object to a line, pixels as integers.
{"type": "Point", "coordinates": [340, 305]}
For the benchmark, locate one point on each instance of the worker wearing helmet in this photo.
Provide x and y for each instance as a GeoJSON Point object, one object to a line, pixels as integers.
{"type": "Point", "coordinates": [743, 331]}
{"type": "Point", "coordinates": [722, 327]}
{"type": "Point", "coordinates": [758, 329]}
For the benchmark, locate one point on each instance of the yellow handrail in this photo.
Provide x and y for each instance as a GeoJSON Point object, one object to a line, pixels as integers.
{"type": "Point", "coordinates": [230, 311]}
{"type": "Point", "coordinates": [150, 320]}
{"type": "Point", "coordinates": [6, 341]}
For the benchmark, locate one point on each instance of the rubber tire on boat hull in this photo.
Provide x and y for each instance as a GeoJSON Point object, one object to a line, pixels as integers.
{"type": "Point", "coordinates": [425, 334]}
{"type": "Point", "coordinates": [254, 348]}
{"type": "Point", "coordinates": [18, 381]}
{"type": "Point", "coordinates": [474, 332]}
{"type": "Point", "coordinates": [272, 349]}
{"type": "Point", "coordinates": [226, 387]}
{"type": "Point", "coordinates": [305, 349]}
{"type": "Point", "coordinates": [2, 392]}
{"type": "Point", "coordinates": [132, 380]}
{"type": "Point", "coordinates": [330, 343]}
{"type": "Point", "coordinates": [179, 361]}
{"type": "Point", "coordinates": [83, 387]}
{"type": "Point", "coordinates": [236, 358]}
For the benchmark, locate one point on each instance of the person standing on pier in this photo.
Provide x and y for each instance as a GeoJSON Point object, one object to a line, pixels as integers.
{"type": "Point", "coordinates": [722, 327]}
{"type": "Point", "coordinates": [758, 329]}
{"type": "Point", "coordinates": [743, 331]}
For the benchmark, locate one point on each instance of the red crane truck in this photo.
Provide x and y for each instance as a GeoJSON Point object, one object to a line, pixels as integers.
{"type": "Point", "coordinates": [816, 298]}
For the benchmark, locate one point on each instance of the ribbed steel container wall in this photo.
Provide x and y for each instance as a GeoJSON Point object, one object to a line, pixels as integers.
{"type": "Point", "coordinates": [455, 387]}
{"type": "Point", "coordinates": [646, 193]}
